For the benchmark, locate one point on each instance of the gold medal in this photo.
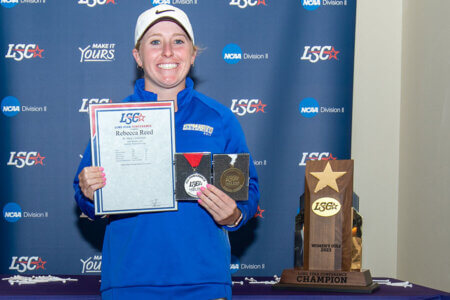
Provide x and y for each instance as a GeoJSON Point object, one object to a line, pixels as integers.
{"type": "Point", "coordinates": [232, 180]}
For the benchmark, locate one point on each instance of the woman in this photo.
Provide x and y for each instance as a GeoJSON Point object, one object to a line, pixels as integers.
{"type": "Point", "coordinates": [183, 254]}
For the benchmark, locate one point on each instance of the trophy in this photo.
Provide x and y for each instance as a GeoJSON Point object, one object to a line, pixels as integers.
{"type": "Point", "coordinates": [328, 220]}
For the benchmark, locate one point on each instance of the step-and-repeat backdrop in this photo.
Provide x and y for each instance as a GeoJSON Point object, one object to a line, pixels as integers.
{"type": "Point", "coordinates": [284, 67]}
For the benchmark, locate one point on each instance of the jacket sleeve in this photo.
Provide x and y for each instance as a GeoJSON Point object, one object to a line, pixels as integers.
{"type": "Point", "coordinates": [237, 144]}
{"type": "Point", "coordinates": [84, 203]}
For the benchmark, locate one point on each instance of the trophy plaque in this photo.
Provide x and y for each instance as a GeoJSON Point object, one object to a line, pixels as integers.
{"type": "Point", "coordinates": [327, 259]}
{"type": "Point", "coordinates": [231, 174]}
{"type": "Point", "coordinates": [193, 171]}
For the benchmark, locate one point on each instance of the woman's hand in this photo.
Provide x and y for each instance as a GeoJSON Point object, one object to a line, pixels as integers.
{"type": "Point", "coordinates": [91, 179]}
{"type": "Point", "coordinates": [221, 207]}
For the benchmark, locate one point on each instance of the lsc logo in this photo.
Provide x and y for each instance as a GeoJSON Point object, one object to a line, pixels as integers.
{"type": "Point", "coordinates": [244, 106]}
{"type": "Point", "coordinates": [129, 118]}
{"type": "Point", "coordinates": [86, 101]}
{"type": "Point", "coordinates": [326, 207]}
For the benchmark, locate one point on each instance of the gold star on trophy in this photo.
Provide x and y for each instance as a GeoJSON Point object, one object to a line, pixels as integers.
{"type": "Point", "coordinates": [327, 178]}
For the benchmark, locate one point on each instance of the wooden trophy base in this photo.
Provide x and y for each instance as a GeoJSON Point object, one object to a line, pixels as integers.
{"type": "Point", "coordinates": [328, 281]}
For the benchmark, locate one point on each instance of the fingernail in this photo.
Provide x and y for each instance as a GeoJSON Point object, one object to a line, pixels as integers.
{"type": "Point", "coordinates": [208, 185]}
{"type": "Point", "coordinates": [202, 188]}
{"type": "Point", "coordinates": [103, 175]}
{"type": "Point", "coordinates": [104, 179]}
{"type": "Point", "coordinates": [101, 168]}
{"type": "Point", "coordinates": [199, 193]}
{"type": "Point", "coordinates": [200, 201]}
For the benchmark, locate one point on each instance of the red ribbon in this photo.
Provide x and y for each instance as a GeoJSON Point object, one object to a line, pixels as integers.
{"type": "Point", "coordinates": [193, 158]}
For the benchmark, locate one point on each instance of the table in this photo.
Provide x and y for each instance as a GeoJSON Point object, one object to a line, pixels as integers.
{"type": "Point", "coordinates": [87, 288]}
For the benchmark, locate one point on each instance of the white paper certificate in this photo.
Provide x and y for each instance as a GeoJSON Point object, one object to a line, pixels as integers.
{"type": "Point", "coordinates": [135, 144]}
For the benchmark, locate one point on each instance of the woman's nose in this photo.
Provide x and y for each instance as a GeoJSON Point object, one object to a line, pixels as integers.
{"type": "Point", "coordinates": [167, 50]}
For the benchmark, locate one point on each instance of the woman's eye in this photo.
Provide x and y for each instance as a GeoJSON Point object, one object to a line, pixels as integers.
{"type": "Point", "coordinates": [179, 42]}
{"type": "Point", "coordinates": [155, 42]}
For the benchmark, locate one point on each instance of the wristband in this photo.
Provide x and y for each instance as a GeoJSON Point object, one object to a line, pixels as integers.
{"type": "Point", "coordinates": [236, 223]}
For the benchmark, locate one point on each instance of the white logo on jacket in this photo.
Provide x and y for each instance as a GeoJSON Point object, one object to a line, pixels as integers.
{"type": "Point", "coordinates": [206, 129]}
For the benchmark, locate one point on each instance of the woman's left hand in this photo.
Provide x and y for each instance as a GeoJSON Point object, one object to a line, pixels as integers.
{"type": "Point", "coordinates": [222, 208]}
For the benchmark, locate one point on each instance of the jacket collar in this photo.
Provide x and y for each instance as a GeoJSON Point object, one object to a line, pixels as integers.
{"type": "Point", "coordinates": [183, 97]}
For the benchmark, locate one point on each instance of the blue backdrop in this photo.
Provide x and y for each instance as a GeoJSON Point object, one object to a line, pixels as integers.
{"type": "Point", "coordinates": [284, 67]}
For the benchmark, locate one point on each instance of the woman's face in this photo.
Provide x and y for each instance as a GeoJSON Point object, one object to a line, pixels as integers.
{"type": "Point", "coordinates": [166, 55]}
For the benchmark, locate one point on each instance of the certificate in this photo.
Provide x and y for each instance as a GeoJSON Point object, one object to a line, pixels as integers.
{"type": "Point", "coordinates": [135, 143]}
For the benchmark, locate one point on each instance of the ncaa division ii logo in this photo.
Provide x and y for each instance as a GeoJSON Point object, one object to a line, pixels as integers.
{"type": "Point", "coordinates": [315, 4]}
{"type": "Point", "coordinates": [12, 3]}
{"type": "Point", "coordinates": [159, 2]}
{"type": "Point", "coordinates": [232, 53]}
{"type": "Point", "coordinates": [235, 264]}
{"type": "Point", "coordinates": [12, 212]}
{"type": "Point", "coordinates": [311, 4]}
{"type": "Point", "coordinates": [309, 107]}
{"type": "Point", "coordinates": [9, 3]}
{"type": "Point", "coordinates": [10, 106]}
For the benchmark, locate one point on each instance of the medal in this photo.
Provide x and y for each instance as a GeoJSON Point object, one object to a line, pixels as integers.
{"type": "Point", "coordinates": [232, 179]}
{"type": "Point", "coordinates": [195, 181]}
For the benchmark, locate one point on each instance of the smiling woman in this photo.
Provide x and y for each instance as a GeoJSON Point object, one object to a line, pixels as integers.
{"type": "Point", "coordinates": [182, 254]}
{"type": "Point", "coordinates": [166, 54]}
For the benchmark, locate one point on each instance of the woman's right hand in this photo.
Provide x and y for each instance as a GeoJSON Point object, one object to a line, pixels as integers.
{"type": "Point", "coordinates": [91, 179]}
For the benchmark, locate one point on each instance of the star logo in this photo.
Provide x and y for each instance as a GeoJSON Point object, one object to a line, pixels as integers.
{"type": "Point", "coordinates": [40, 264]}
{"type": "Point", "coordinates": [39, 159]}
{"type": "Point", "coordinates": [259, 213]}
{"type": "Point", "coordinates": [332, 53]}
{"type": "Point", "coordinates": [37, 52]}
{"type": "Point", "coordinates": [110, 1]}
{"type": "Point", "coordinates": [259, 106]}
{"type": "Point", "coordinates": [141, 118]}
{"type": "Point", "coordinates": [327, 178]}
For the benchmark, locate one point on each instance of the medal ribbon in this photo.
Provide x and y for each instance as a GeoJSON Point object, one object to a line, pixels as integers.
{"type": "Point", "coordinates": [193, 158]}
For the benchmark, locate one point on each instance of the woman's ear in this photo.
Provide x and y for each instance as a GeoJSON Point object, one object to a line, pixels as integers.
{"type": "Point", "coordinates": [137, 57]}
{"type": "Point", "coordinates": [194, 55]}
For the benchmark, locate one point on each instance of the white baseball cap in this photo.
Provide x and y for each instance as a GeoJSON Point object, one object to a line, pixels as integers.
{"type": "Point", "coordinates": [163, 11]}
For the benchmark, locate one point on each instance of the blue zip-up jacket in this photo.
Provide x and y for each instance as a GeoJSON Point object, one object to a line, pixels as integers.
{"type": "Point", "coordinates": [184, 247]}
